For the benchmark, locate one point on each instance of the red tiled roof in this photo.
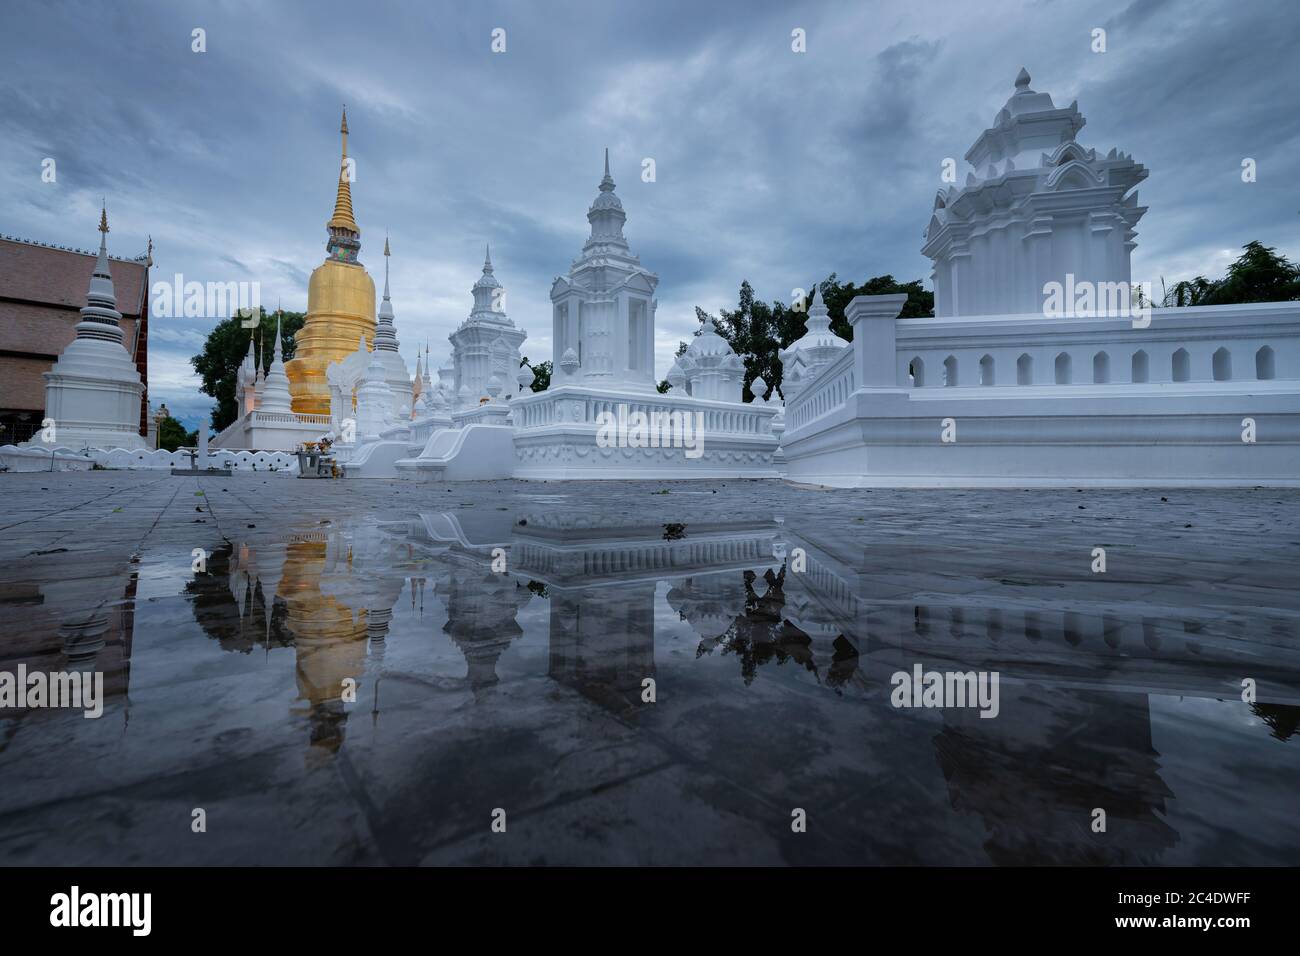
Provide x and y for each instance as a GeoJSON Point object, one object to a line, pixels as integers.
{"type": "Point", "coordinates": [61, 277]}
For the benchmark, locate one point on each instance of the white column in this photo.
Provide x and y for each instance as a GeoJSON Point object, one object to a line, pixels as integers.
{"type": "Point", "coordinates": [873, 320]}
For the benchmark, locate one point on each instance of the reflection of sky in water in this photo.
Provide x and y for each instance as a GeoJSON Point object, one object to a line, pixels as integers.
{"type": "Point", "coordinates": [476, 690]}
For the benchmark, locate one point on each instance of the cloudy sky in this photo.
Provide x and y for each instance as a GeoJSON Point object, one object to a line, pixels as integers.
{"type": "Point", "coordinates": [772, 166]}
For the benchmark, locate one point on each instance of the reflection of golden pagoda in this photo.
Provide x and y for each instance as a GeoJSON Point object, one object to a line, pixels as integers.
{"type": "Point", "coordinates": [340, 304]}
{"type": "Point", "coordinates": [330, 639]}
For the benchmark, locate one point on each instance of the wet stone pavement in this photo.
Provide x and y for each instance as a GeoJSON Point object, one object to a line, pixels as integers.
{"type": "Point", "coordinates": [363, 672]}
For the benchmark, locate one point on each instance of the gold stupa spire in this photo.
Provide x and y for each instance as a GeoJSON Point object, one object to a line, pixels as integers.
{"type": "Point", "coordinates": [342, 218]}
{"type": "Point", "coordinates": [340, 304]}
{"type": "Point", "coordinates": [103, 218]}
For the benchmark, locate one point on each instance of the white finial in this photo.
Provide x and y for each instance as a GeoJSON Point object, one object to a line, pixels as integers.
{"type": "Point", "coordinates": [607, 184]}
{"type": "Point", "coordinates": [386, 256]}
{"type": "Point", "coordinates": [1022, 80]}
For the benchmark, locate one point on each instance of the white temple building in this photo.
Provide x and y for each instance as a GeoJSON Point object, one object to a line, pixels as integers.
{"type": "Point", "coordinates": [92, 394]}
{"type": "Point", "coordinates": [602, 416]}
{"type": "Point", "coordinates": [1041, 366]}
{"type": "Point", "coordinates": [1036, 206]}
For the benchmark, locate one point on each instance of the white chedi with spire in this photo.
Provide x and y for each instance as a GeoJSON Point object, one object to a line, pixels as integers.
{"type": "Point", "coordinates": [818, 346]}
{"type": "Point", "coordinates": [93, 392]}
{"type": "Point", "coordinates": [486, 343]}
{"type": "Point", "coordinates": [395, 371]}
{"type": "Point", "coordinates": [1034, 206]}
{"type": "Point", "coordinates": [376, 404]}
{"type": "Point", "coordinates": [433, 397]}
{"type": "Point", "coordinates": [709, 368]}
{"type": "Point", "coordinates": [246, 379]}
{"type": "Point", "coordinates": [275, 391]}
{"type": "Point", "coordinates": [603, 310]}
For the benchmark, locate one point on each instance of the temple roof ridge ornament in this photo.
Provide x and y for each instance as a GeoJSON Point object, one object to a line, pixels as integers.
{"type": "Point", "coordinates": [143, 257]}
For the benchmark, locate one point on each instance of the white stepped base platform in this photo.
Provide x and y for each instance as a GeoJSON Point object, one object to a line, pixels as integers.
{"type": "Point", "coordinates": [272, 431]}
{"type": "Point", "coordinates": [471, 453]}
{"type": "Point", "coordinates": [379, 459]}
{"type": "Point", "coordinates": [1054, 437]}
{"type": "Point", "coordinates": [556, 437]}
{"type": "Point", "coordinates": [576, 456]}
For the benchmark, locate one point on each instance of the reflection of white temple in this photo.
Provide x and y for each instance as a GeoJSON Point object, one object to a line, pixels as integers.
{"type": "Point", "coordinates": [77, 624]}
{"type": "Point", "coordinates": [481, 603]}
{"type": "Point", "coordinates": [1029, 637]}
{"type": "Point", "coordinates": [601, 579]}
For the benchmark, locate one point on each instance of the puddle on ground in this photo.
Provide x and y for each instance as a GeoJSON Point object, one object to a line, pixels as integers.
{"type": "Point", "coordinates": [370, 691]}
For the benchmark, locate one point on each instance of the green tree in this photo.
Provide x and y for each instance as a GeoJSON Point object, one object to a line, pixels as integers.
{"type": "Point", "coordinates": [172, 435]}
{"type": "Point", "coordinates": [541, 374]}
{"type": "Point", "coordinates": [224, 351]}
{"type": "Point", "coordinates": [1258, 275]}
{"type": "Point", "coordinates": [757, 331]}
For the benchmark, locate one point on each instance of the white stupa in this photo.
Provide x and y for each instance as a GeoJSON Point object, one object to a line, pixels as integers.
{"type": "Point", "coordinates": [376, 404]}
{"type": "Point", "coordinates": [1035, 206]}
{"type": "Point", "coordinates": [395, 373]}
{"type": "Point", "coordinates": [604, 309]}
{"type": "Point", "coordinates": [709, 368]}
{"type": "Point", "coordinates": [92, 393]}
{"type": "Point", "coordinates": [818, 346]}
{"type": "Point", "coordinates": [486, 343]}
{"type": "Point", "coordinates": [275, 389]}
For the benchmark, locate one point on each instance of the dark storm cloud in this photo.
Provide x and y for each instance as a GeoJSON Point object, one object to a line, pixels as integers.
{"type": "Point", "coordinates": [772, 166]}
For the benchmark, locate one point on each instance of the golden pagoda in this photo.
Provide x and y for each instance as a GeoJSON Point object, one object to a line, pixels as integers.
{"type": "Point", "coordinates": [340, 304]}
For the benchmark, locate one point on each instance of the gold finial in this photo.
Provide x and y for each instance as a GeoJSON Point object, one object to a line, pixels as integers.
{"type": "Point", "coordinates": [343, 218]}
{"type": "Point", "coordinates": [103, 219]}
